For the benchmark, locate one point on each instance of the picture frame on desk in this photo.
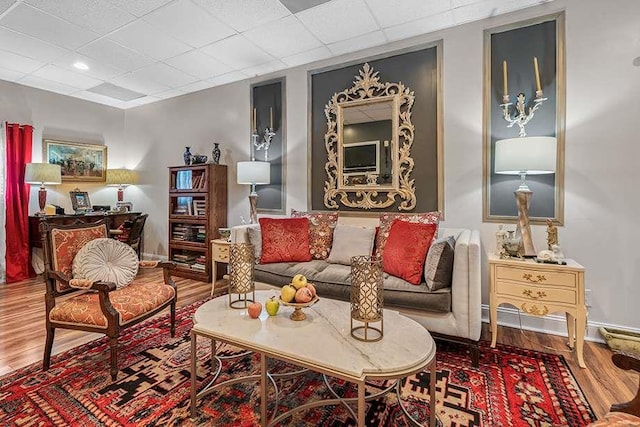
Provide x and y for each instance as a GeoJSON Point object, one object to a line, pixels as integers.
{"type": "Point", "coordinates": [78, 161]}
{"type": "Point", "coordinates": [80, 201]}
{"type": "Point", "coordinates": [124, 207]}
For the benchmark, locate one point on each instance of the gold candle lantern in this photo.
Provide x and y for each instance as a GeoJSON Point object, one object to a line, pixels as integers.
{"type": "Point", "coordinates": [366, 298]}
{"type": "Point", "coordinates": [241, 284]}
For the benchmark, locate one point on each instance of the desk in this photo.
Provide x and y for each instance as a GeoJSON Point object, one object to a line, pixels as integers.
{"type": "Point", "coordinates": [113, 220]}
{"type": "Point", "coordinates": [219, 254]}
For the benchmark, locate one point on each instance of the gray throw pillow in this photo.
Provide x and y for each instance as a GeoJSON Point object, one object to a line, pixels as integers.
{"type": "Point", "coordinates": [255, 238]}
{"type": "Point", "coordinates": [438, 266]}
{"type": "Point", "coordinates": [349, 241]}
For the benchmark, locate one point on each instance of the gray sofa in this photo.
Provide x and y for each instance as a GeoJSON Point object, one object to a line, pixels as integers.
{"type": "Point", "coordinates": [453, 313]}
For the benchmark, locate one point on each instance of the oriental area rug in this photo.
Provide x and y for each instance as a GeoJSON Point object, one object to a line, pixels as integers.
{"type": "Point", "coordinates": [511, 387]}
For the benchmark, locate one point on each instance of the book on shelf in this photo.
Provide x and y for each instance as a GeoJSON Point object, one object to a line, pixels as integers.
{"type": "Point", "coordinates": [200, 207]}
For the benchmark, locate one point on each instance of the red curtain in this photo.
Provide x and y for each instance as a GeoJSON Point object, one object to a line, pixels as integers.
{"type": "Point", "coordinates": [18, 154]}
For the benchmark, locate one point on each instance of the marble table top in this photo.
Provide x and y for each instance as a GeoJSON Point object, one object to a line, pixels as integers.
{"type": "Point", "coordinates": [322, 341]}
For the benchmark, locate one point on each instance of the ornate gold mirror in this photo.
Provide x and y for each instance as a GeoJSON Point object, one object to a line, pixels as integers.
{"type": "Point", "coordinates": [368, 142]}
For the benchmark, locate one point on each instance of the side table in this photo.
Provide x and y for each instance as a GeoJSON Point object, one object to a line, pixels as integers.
{"type": "Point", "coordinates": [539, 289]}
{"type": "Point", "coordinates": [219, 254]}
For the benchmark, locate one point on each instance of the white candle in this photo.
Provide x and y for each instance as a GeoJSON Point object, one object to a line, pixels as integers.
{"type": "Point", "coordinates": [505, 89]}
{"type": "Point", "coordinates": [535, 70]}
{"type": "Point", "coordinates": [254, 119]}
{"type": "Point", "coordinates": [270, 118]}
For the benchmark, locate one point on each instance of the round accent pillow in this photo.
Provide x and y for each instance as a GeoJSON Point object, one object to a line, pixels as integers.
{"type": "Point", "coordinates": [106, 260]}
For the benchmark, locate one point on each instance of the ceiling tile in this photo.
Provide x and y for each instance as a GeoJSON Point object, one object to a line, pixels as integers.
{"type": "Point", "coordinates": [139, 84]}
{"type": "Point", "coordinates": [231, 77]}
{"type": "Point", "coordinates": [96, 97]}
{"type": "Point", "coordinates": [242, 15]}
{"type": "Point", "coordinates": [45, 84]}
{"type": "Point", "coordinates": [139, 7]}
{"type": "Point", "coordinates": [98, 16]}
{"type": "Point", "coordinates": [306, 57]}
{"type": "Point", "coordinates": [141, 101]}
{"type": "Point", "coordinates": [296, 6]}
{"type": "Point", "coordinates": [394, 12]}
{"type": "Point", "coordinates": [197, 86]}
{"type": "Point", "coordinates": [110, 52]}
{"type": "Point", "coordinates": [171, 93]}
{"type": "Point", "coordinates": [27, 20]}
{"type": "Point", "coordinates": [149, 40]}
{"type": "Point", "coordinates": [420, 26]}
{"type": "Point", "coordinates": [164, 74]}
{"type": "Point", "coordinates": [364, 41]}
{"type": "Point", "coordinates": [10, 75]}
{"type": "Point", "coordinates": [262, 69]}
{"type": "Point", "coordinates": [189, 23]}
{"type": "Point", "coordinates": [97, 69]}
{"type": "Point", "coordinates": [6, 4]}
{"type": "Point", "coordinates": [458, 3]}
{"type": "Point", "coordinates": [338, 20]}
{"type": "Point", "coordinates": [28, 46]}
{"type": "Point", "coordinates": [116, 92]}
{"type": "Point", "coordinates": [13, 61]}
{"type": "Point", "coordinates": [488, 8]}
{"type": "Point", "coordinates": [69, 78]}
{"type": "Point", "coordinates": [198, 64]}
{"type": "Point", "coordinates": [284, 37]}
{"type": "Point", "coordinates": [237, 52]}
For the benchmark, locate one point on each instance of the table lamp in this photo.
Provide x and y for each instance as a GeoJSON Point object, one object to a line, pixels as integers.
{"type": "Point", "coordinates": [42, 173]}
{"type": "Point", "coordinates": [120, 178]}
{"type": "Point", "coordinates": [254, 172]}
{"type": "Point", "coordinates": [533, 155]}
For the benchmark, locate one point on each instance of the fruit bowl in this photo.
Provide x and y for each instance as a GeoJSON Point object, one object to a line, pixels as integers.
{"type": "Point", "coordinates": [298, 306]}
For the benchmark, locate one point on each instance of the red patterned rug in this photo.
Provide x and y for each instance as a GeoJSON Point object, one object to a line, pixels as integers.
{"type": "Point", "coordinates": [512, 387]}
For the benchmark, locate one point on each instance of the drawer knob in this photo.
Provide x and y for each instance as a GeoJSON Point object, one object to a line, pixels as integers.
{"type": "Point", "coordinates": [529, 277]}
{"type": "Point", "coordinates": [529, 293]}
{"type": "Point", "coordinates": [535, 310]}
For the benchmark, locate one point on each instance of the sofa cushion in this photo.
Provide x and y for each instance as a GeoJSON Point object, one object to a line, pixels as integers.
{"type": "Point", "coordinates": [438, 267]}
{"type": "Point", "coordinates": [406, 248]}
{"type": "Point", "coordinates": [284, 240]}
{"type": "Point", "coordinates": [349, 241]}
{"type": "Point", "coordinates": [334, 281]}
{"type": "Point", "coordinates": [321, 225]}
{"type": "Point", "coordinates": [386, 219]}
{"type": "Point", "coordinates": [106, 260]}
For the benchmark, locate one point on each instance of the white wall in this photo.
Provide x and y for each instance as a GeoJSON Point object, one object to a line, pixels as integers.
{"type": "Point", "coordinates": [602, 126]}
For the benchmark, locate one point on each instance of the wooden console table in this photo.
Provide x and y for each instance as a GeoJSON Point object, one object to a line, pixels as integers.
{"type": "Point", "coordinates": [113, 220]}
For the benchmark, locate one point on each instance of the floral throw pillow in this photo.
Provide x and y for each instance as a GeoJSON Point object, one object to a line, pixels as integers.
{"type": "Point", "coordinates": [386, 219]}
{"type": "Point", "coordinates": [321, 226]}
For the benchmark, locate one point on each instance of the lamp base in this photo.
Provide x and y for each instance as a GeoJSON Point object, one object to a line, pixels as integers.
{"type": "Point", "coordinates": [523, 198]}
{"type": "Point", "coordinates": [42, 200]}
{"type": "Point", "coordinates": [253, 205]}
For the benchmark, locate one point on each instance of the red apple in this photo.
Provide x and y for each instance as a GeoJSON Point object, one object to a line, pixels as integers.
{"type": "Point", "coordinates": [254, 309]}
{"type": "Point", "coordinates": [303, 295]}
{"type": "Point", "coordinates": [312, 289]}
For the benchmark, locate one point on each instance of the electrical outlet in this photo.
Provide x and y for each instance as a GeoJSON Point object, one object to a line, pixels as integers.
{"type": "Point", "coordinates": [587, 298]}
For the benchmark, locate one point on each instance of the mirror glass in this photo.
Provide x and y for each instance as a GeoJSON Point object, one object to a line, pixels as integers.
{"type": "Point", "coordinates": [366, 145]}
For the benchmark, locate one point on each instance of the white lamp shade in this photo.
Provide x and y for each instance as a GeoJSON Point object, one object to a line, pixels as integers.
{"type": "Point", "coordinates": [254, 172]}
{"type": "Point", "coordinates": [116, 177]}
{"type": "Point", "coordinates": [534, 155]}
{"type": "Point", "coordinates": [42, 173]}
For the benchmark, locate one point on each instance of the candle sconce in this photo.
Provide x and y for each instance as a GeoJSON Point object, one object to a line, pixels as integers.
{"type": "Point", "coordinates": [522, 117]}
{"type": "Point", "coordinates": [262, 141]}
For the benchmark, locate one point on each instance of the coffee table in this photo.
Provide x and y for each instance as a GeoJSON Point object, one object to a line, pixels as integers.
{"type": "Point", "coordinates": [321, 343]}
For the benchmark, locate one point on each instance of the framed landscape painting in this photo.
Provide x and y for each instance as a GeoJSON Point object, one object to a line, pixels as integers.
{"type": "Point", "coordinates": [79, 162]}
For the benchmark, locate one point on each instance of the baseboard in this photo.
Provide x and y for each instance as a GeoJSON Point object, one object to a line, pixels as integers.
{"type": "Point", "coordinates": [555, 324]}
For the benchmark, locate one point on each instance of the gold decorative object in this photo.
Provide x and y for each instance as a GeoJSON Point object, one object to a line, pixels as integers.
{"type": "Point", "coordinates": [534, 309]}
{"type": "Point", "coordinates": [539, 278]}
{"type": "Point", "coordinates": [529, 293]}
{"type": "Point", "coordinates": [366, 192]}
{"type": "Point", "coordinates": [367, 298]}
{"type": "Point", "coordinates": [298, 314]}
{"type": "Point", "coordinates": [241, 284]}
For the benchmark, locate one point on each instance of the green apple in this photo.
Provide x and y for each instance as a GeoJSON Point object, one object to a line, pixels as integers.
{"type": "Point", "coordinates": [299, 281]}
{"type": "Point", "coordinates": [287, 293]}
{"type": "Point", "coordinates": [272, 305]}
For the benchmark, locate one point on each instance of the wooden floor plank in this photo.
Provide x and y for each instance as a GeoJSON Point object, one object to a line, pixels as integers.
{"type": "Point", "coordinates": [22, 336]}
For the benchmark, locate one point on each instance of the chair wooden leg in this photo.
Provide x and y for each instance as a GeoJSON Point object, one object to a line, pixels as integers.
{"type": "Point", "coordinates": [46, 361]}
{"type": "Point", "coordinates": [113, 344]}
{"type": "Point", "coordinates": [173, 319]}
{"type": "Point", "coordinates": [474, 353]}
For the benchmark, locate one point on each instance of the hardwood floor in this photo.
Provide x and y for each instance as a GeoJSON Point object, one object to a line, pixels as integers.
{"type": "Point", "coordinates": [22, 336]}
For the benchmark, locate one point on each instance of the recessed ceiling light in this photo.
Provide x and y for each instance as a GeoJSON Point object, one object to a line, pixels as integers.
{"type": "Point", "coordinates": [81, 65]}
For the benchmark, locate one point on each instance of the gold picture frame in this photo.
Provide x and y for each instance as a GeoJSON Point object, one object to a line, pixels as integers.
{"type": "Point", "coordinates": [78, 161]}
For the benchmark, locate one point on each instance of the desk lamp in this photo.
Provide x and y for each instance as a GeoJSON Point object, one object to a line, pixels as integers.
{"type": "Point", "coordinates": [42, 173]}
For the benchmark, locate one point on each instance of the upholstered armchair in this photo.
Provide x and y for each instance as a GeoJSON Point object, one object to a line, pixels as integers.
{"type": "Point", "coordinates": [96, 276]}
{"type": "Point", "coordinates": [624, 414]}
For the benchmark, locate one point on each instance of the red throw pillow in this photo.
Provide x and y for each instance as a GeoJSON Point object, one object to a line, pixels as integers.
{"type": "Point", "coordinates": [386, 219]}
{"type": "Point", "coordinates": [284, 240]}
{"type": "Point", "coordinates": [406, 249]}
{"type": "Point", "coordinates": [321, 226]}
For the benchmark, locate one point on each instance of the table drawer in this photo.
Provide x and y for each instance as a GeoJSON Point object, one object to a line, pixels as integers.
{"type": "Point", "coordinates": [220, 253]}
{"type": "Point", "coordinates": [536, 277]}
{"type": "Point", "coordinates": [537, 293]}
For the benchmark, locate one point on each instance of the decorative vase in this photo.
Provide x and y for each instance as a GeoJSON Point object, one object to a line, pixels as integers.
{"type": "Point", "coordinates": [215, 154]}
{"type": "Point", "coordinates": [188, 157]}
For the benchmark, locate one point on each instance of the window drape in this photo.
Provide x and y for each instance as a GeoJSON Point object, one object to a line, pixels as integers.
{"type": "Point", "coordinates": [18, 154]}
{"type": "Point", "coordinates": [3, 240]}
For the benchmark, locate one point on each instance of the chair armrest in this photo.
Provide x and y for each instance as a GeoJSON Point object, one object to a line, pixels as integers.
{"type": "Point", "coordinates": [627, 361]}
{"type": "Point", "coordinates": [88, 284]}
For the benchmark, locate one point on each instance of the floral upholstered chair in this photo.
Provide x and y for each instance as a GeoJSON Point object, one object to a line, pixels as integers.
{"type": "Point", "coordinates": [96, 276]}
{"type": "Point", "coordinates": [624, 414]}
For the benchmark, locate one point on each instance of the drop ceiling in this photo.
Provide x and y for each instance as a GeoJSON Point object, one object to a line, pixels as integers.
{"type": "Point", "coordinates": [143, 51]}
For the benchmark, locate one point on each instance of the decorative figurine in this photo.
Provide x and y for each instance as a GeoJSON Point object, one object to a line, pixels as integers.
{"type": "Point", "coordinates": [215, 154]}
{"type": "Point", "coordinates": [188, 157]}
{"type": "Point", "coordinates": [552, 234]}
{"type": "Point", "coordinates": [501, 235]}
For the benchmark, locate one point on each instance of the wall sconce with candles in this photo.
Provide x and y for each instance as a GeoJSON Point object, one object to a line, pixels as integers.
{"type": "Point", "coordinates": [522, 118]}
{"type": "Point", "coordinates": [121, 178]}
{"type": "Point", "coordinates": [43, 174]}
{"type": "Point", "coordinates": [262, 141]}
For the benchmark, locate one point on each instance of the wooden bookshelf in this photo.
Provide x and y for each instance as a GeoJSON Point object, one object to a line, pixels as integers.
{"type": "Point", "coordinates": [197, 208]}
